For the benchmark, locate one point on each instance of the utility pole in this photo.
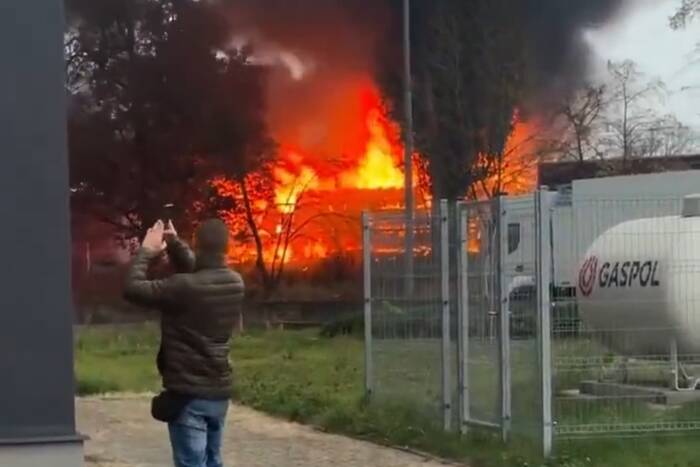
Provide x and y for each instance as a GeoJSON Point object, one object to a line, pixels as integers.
{"type": "Point", "coordinates": [408, 146]}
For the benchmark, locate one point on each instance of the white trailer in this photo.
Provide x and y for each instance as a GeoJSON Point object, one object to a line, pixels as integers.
{"type": "Point", "coordinates": [596, 205]}
{"type": "Point", "coordinates": [632, 228]}
{"type": "Point", "coordinates": [582, 214]}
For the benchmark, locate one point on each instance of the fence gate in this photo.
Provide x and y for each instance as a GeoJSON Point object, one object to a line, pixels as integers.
{"type": "Point", "coordinates": [518, 259]}
{"type": "Point", "coordinates": [409, 350]}
{"type": "Point", "coordinates": [480, 312]}
{"type": "Point", "coordinates": [504, 270]}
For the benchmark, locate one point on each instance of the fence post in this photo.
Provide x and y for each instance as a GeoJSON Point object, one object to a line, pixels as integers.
{"type": "Point", "coordinates": [504, 318]}
{"type": "Point", "coordinates": [445, 300]}
{"type": "Point", "coordinates": [367, 280]}
{"type": "Point", "coordinates": [544, 280]}
{"type": "Point", "coordinates": [463, 314]}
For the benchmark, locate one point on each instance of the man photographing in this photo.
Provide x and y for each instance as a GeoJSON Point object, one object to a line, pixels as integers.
{"type": "Point", "coordinates": [199, 305]}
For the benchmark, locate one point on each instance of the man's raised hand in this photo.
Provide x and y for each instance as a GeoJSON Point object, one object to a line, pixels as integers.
{"type": "Point", "coordinates": [154, 240]}
{"type": "Point", "coordinates": [170, 232]}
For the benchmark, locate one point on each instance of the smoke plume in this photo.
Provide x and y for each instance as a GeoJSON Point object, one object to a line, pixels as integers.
{"type": "Point", "coordinates": [324, 56]}
{"type": "Point", "coordinates": [555, 30]}
{"type": "Point", "coordinates": [330, 40]}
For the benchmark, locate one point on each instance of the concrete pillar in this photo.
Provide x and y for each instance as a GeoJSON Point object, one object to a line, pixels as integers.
{"type": "Point", "coordinates": [37, 421]}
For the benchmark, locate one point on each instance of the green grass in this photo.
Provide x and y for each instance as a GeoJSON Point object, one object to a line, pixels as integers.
{"type": "Point", "coordinates": [110, 360]}
{"type": "Point", "coordinates": [306, 378]}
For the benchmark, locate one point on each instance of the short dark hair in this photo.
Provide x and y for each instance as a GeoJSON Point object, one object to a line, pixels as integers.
{"type": "Point", "coordinates": [212, 236]}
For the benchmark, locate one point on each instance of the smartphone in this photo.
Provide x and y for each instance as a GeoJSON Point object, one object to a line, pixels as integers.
{"type": "Point", "coordinates": [167, 213]}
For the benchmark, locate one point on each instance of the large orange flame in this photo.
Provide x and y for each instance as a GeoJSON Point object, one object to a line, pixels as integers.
{"type": "Point", "coordinates": [378, 167]}
{"type": "Point", "coordinates": [321, 184]}
{"type": "Point", "coordinates": [346, 157]}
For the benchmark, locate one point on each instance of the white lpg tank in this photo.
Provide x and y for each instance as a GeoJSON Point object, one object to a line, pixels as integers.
{"type": "Point", "coordinates": [639, 284]}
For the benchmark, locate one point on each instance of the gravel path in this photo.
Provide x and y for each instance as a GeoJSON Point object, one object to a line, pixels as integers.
{"type": "Point", "coordinates": [122, 434]}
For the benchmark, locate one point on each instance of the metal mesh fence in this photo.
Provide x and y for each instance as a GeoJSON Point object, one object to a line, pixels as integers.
{"type": "Point", "coordinates": [445, 319]}
{"type": "Point", "coordinates": [625, 322]}
{"type": "Point", "coordinates": [483, 338]}
{"type": "Point", "coordinates": [540, 316]}
{"type": "Point", "coordinates": [502, 344]}
{"type": "Point", "coordinates": [407, 314]}
{"type": "Point", "coordinates": [520, 283]}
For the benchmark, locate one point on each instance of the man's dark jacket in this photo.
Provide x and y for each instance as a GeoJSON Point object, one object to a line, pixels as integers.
{"type": "Point", "coordinates": [199, 307]}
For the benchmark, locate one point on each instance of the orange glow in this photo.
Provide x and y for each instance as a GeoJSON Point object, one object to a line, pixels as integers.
{"type": "Point", "coordinates": [474, 236]}
{"type": "Point", "coordinates": [315, 250]}
{"type": "Point", "coordinates": [520, 158]}
{"type": "Point", "coordinates": [376, 164]}
{"type": "Point", "coordinates": [340, 155]}
{"type": "Point", "coordinates": [378, 169]}
{"type": "Point", "coordinates": [515, 173]}
{"type": "Point", "coordinates": [290, 186]}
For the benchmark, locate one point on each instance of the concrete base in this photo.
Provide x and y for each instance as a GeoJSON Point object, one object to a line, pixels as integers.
{"type": "Point", "coordinates": [651, 394]}
{"type": "Point", "coordinates": [54, 453]}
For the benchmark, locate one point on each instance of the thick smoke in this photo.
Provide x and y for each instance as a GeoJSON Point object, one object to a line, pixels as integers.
{"type": "Point", "coordinates": [333, 43]}
{"type": "Point", "coordinates": [332, 32]}
{"type": "Point", "coordinates": [324, 50]}
{"type": "Point", "coordinates": [555, 29]}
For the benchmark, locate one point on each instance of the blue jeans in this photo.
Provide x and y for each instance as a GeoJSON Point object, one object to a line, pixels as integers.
{"type": "Point", "coordinates": [196, 435]}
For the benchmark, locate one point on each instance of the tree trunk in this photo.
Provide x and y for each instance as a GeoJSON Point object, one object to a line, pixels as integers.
{"type": "Point", "coordinates": [259, 250]}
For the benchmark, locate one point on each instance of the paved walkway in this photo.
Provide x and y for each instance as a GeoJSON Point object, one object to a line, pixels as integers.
{"type": "Point", "coordinates": [123, 435]}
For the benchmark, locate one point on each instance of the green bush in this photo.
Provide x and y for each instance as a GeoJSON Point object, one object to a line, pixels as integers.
{"type": "Point", "coordinates": [353, 325]}
{"type": "Point", "coordinates": [90, 385]}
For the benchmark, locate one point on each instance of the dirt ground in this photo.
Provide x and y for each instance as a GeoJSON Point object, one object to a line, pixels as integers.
{"type": "Point", "coordinates": [122, 434]}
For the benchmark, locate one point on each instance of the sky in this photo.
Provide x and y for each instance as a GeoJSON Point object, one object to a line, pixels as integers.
{"type": "Point", "coordinates": [642, 33]}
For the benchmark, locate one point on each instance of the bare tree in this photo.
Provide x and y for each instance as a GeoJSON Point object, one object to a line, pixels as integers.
{"type": "Point", "coordinates": [512, 168]}
{"type": "Point", "coordinates": [268, 224]}
{"type": "Point", "coordinates": [687, 10]}
{"type": "Point", "coordinates": [271, 227]}
{"type": "Point", "coordinates": [631, 117]}
{"type": "Point", "coordinates": [582, 115]}
{"type": "Point", "coordinates": [670, 137]}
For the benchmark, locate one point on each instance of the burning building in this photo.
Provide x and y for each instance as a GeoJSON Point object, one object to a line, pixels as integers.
{"type": "Point", "coordinates": [344, 159]}
{"type": "Point", "coordinates": [339, 152]}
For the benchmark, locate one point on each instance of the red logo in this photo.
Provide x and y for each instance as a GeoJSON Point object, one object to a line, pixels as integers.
{"type": "Point", "coordinates": [587, 276]}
